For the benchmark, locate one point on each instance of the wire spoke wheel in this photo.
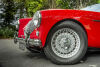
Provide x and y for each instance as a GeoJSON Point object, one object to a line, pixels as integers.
{"type": "Point", "coordinates": [65, 43]}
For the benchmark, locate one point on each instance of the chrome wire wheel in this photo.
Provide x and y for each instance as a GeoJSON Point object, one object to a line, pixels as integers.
{"type": "Point", "coordinates": [65, 43]}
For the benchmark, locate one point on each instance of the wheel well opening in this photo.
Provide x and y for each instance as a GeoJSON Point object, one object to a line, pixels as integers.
{"type": "Point", "coordinates": [63, 21]}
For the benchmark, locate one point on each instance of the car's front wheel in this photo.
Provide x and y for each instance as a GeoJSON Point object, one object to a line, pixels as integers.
{"type": "Point", "coordinates": [66, 43]}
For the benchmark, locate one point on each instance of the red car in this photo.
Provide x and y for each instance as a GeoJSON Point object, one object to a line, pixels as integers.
{"type": "Point", "coordinates": [62, 34]}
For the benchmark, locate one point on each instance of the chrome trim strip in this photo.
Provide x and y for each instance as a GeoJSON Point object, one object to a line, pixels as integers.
{"type": "Point", "coordinates": [96, 20]}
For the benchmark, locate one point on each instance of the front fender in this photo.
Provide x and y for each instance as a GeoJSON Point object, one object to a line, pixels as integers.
{"type": "Point", "coordinates": [50, 19]}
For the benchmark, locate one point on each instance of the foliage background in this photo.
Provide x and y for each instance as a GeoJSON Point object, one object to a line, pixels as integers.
{"type": "Point", "coordinates": [11, 10]}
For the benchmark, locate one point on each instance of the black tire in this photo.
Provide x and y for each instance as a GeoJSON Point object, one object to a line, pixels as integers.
{"type": "Point", "coordinates": [83, 44]}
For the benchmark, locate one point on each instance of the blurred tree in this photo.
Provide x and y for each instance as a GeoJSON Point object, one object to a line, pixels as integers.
{"type": "Point", "coordinates": [30, 6]}
{"type": "Point", "coordinates": [63, 4]}
{"type": "Point", "coordinates": [20, 5]}
{"type": "Point", "coordinates": [9, 12]}
{"type": "Point", "coordinates": [51, 3]}
{"type": "Point", "coordinates": [1, 13]}
{"type": "Point", "coordinates": [74, 4]}
{"type": "Point", "coordinates": [98, 1]}
{"type": "Point", "coordinates": [34, 5]}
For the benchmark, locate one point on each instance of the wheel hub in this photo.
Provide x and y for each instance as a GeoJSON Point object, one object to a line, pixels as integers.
{"type": "Point", "coordinates": [65, 43]}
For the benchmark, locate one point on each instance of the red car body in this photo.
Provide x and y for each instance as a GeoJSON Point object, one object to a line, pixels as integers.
{"type": "Point", "coordinates": [89, 20]}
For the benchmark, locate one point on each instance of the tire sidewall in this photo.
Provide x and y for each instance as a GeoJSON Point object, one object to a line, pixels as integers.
{"type": "Point", "coordinates": [83, 43]}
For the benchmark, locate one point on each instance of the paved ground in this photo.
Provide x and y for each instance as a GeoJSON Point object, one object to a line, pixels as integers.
{"type": "Point", "coordinates": [11, 56]}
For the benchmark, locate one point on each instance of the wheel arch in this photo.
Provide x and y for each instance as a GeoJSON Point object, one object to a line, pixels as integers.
{"type": "Point", "coordinates": [57, 23]}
